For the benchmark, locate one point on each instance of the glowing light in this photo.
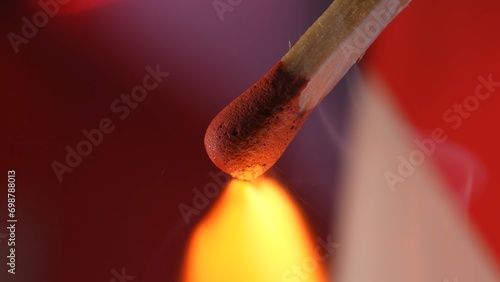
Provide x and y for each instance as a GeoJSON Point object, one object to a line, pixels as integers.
{"type": "Point", "coordinates": [253, 233]}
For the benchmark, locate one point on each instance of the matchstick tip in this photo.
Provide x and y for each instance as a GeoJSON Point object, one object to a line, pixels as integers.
{"type": "Point", "coordinates": [249, 135]}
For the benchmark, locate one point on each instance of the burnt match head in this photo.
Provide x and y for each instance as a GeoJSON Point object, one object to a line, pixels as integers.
{"type": "Point", "coordinates": [249, 135]}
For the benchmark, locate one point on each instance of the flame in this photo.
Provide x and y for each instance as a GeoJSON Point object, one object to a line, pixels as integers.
{"type": "Point", "coordinates": [253, 233]}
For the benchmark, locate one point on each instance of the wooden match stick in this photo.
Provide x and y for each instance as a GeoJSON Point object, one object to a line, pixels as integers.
{"type": "Point", "coordinates": [250, 134]}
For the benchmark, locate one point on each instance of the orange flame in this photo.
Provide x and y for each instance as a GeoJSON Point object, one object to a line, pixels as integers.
{"type": "Point", "coordinates": [254, 233]}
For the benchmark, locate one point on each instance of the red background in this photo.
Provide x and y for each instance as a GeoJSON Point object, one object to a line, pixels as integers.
{"type": "Point", "coordinates": [119, 208]}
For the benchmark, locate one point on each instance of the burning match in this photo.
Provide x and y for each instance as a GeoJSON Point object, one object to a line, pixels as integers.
{"type": "Point", "coordinates": [250, 134]}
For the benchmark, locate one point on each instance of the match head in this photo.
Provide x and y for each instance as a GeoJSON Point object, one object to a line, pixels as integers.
{"type": "Point", "coordinates": [249, 135]}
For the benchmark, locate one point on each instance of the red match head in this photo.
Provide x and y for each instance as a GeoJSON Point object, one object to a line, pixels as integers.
{"type": "Point", "coordinates": [249, 135]}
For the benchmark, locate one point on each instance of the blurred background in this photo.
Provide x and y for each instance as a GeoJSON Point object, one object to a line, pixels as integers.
{"type": "Point", "coordinates": [120, 211]}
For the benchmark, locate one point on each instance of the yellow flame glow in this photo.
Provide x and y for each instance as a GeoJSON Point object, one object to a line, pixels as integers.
{"type": "Point", "coordinates": [254, 233]}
